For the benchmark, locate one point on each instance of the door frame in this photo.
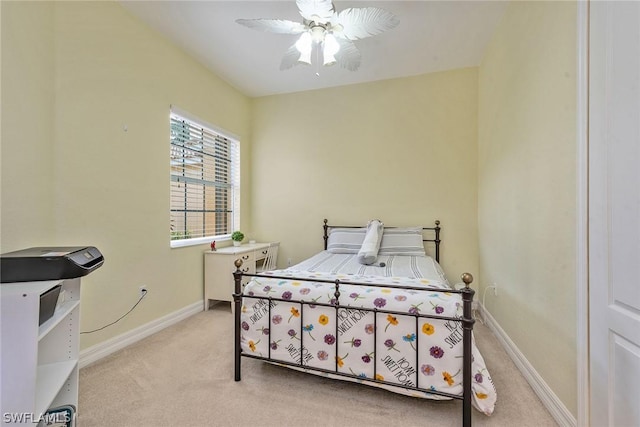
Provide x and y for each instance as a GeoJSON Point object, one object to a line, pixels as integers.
{"type": "Point", "coordinates": [582, 215]}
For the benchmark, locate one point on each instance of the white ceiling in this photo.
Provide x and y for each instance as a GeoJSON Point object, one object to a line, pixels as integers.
{"type": "Point", "coordinates": [432, 36]}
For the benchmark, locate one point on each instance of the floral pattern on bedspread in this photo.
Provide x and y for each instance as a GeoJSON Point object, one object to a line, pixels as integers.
{"type": "Point", "coordinates": [410, 351]}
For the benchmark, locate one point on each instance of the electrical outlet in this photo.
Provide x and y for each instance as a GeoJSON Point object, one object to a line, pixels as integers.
{"type": "Point", "coordinates": [495, 289]}
{"type": "Point", "coordinates": [288, 262]}
{"type": "Point", "coordinates": [143, 291]}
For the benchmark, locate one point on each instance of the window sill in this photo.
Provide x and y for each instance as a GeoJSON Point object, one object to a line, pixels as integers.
{"type": "Point", "coordinates": [198, 241]}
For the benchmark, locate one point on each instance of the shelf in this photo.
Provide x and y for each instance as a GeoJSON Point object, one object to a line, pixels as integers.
{"type": "Point", "coordinates": [39, 362]}
{"type": "Point", "coordinates": [50, 380]}
{"type": "Point", "coordinates": [60, 313]}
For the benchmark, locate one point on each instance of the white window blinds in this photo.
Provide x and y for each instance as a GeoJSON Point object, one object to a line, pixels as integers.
{"type": "Point", "coordinates": [205, 182]}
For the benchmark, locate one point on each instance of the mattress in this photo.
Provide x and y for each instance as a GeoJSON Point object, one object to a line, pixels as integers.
{"type": "Point", "coordinates": [410, 266]}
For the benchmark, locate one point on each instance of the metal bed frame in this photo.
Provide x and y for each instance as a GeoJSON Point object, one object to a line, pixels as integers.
{"type": "Point", "coordinates": [466, 320]}
{"type": "Point", "coordinates": [435, 240]}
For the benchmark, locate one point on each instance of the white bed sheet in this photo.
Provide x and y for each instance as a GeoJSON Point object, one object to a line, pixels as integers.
{"type": "Point", "coordinates": [411, 266]}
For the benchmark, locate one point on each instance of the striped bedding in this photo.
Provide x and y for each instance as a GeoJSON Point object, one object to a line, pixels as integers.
{"type": "Point", "coordinates": [412, 267]}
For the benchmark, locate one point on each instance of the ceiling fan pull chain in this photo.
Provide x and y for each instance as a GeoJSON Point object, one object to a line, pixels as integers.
{"type": "Point", "coordinates": [317, 64]}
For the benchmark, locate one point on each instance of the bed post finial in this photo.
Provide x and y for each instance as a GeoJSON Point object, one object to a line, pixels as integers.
{"type": "Point", "coordinates": [467, 278]}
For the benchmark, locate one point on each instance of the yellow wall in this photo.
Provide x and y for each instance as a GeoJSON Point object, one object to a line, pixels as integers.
{"type": "Point", "coordinates": [27, 125]}
{"type": "Point", "coordinates": [402, 150]}
{"type": "Point", "coordinates": [527, 186]}
{"type": "Point", "coordinates": [102, 185]}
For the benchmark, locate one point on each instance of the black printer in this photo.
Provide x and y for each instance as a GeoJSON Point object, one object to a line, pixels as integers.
{"type": "Point", "coordinates": [49, 263]}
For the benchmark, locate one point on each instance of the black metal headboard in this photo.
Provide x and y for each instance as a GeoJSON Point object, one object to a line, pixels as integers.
{"type": "Point", "coordinates": [435, 240]}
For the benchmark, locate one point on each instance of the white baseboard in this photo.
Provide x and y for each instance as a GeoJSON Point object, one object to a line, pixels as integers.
{"type": "Point", "coordinates": [98, 351]}
{"type": "Point", "coordinates": [549, 399]}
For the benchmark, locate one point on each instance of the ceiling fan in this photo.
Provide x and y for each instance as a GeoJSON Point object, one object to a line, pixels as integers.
{"type": "Point", "coordinates": [327, 32]}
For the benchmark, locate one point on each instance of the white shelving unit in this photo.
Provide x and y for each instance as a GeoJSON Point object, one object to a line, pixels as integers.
{"type": "Point", "coordinates": [39, 362]}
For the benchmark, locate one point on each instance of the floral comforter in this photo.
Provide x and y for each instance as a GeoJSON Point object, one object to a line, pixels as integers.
{"type": "Point", "coordinates": [427, 355]}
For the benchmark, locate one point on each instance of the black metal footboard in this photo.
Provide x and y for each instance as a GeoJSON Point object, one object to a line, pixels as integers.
{"type": "Point", "coordinates": [466, 320]}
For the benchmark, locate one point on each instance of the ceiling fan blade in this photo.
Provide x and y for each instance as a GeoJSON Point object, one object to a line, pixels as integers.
{"type": "Point", "coordinates": [290, 58]}
{"type": "Point", "coordinates": [358, 23]}
{"type": "Point", "coordinates": [348, 56]}
{"type": "Point", "coordinates": [323, 9]}
{"type": "Point", "coordinates": [280, 26]}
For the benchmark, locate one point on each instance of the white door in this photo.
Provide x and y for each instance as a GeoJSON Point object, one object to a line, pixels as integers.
{"type": "Point", "coordinates": [614, 213]}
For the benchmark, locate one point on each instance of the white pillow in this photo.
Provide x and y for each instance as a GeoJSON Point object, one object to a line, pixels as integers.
{"type": "Point", "coordinates": [345, 240]}
{"type": "Point", "coordinates": [402, 241]}
{"type": "Point", "coordinates": [369, 250]}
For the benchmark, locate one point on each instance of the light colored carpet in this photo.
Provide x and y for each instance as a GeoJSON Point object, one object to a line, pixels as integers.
{"type": "Point", "coordinates": [183, 376]}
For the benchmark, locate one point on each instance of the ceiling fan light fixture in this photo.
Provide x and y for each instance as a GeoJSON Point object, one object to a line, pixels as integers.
{"type": "Point", "coordinates": [305, 58]}
{"type": "Point", "coordinates": [304, 46]}
{"type": "Point", "coordinates": [318, 33]}
{"type": "Point", "coordinates": [329, 49]}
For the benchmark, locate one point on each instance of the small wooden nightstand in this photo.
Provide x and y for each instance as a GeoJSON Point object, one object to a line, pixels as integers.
{"type": "Point", "coordinates": [218, 269]}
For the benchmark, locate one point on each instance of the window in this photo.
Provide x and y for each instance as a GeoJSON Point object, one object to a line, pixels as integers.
{"type": "Point", "coordinates": [205, 182]}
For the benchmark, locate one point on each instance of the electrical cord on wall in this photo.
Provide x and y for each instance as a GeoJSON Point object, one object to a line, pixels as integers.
{"type": "Point", "coordinates": [484, 294]}
{"type": "Point", "coordinates": [144, 293]}
{"type": "Point", "coordinates": [460, 286]}
{"type": "Point", "coordinates": [476, 311]}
